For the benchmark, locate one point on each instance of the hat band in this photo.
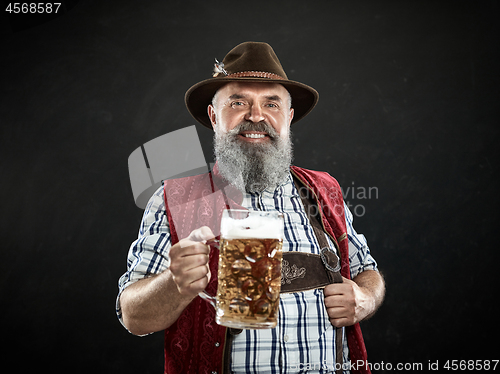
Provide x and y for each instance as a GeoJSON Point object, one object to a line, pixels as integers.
{"type": "Point", "coordinates": [255, 74]}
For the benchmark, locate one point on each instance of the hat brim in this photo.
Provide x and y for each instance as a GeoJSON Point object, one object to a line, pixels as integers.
{"type": "Point", "coordinates": [199, 96]}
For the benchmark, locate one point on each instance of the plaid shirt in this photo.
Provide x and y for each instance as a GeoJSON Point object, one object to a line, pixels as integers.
{"type": "Point", "coordinates": [304, 339]}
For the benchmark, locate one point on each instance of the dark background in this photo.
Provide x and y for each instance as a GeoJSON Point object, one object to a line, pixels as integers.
{"type": "Point", "coordinates": [409, 94]}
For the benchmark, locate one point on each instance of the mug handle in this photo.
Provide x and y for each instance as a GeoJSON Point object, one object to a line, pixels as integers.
{"type": "Point", "coordinates": [203, 294]}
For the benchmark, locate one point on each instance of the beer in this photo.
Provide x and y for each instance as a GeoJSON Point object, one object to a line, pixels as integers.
{"type": "Point", "coordinates": [249, 274]}
{"type": "Point", "coordinates": [249, 282]}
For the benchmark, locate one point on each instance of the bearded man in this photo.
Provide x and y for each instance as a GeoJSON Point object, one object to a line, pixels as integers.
{"type": "Point", "coordinates": [251, 104]}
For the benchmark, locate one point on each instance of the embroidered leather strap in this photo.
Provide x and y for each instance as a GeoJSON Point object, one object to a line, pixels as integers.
{"type": "Point", "coordinates": [329, 260]}
{"type": "Point", "coordinates": [307, 271]}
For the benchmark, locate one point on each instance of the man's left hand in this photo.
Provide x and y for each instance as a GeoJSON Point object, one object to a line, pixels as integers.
{"type": "Point", "coordinates": [347, 303]}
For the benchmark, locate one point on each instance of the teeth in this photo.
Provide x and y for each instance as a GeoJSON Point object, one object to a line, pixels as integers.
{"type": "Point", "coordinates": [255, 136]}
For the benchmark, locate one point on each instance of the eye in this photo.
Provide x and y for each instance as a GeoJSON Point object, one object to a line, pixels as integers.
{"type": "Point", "coordinates": [235, 104]}
{"type": "Point", "coordinates": [272, 105]}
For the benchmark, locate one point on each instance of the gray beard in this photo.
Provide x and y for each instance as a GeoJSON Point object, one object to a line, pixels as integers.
{"type": "Point", "coordinates": [253, 167]}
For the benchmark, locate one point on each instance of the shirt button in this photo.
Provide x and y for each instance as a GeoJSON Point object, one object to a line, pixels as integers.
{"type": "Point", "coordinates": [217, 344]}
{"type": "Point", "coordinates": [285, 338]}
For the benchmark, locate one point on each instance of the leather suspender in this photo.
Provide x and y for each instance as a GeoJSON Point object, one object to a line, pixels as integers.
{"type": "Point", "coordinates": [337, 278]}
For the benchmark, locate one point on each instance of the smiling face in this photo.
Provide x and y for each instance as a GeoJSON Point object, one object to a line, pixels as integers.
{"type": "Point", "coordinates": [252, 141]}
{"type": "Point", "coordinates": [240, 102]}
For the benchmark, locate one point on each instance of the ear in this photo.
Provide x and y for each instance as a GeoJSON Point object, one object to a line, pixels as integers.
{"type": "Point", "coordinates": [291, 116]}
{"type": "Point", "coordinates": [211, 115]}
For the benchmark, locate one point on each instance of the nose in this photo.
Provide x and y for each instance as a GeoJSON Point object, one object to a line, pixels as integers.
{"type": "Point", "coordinates": [254, 114]}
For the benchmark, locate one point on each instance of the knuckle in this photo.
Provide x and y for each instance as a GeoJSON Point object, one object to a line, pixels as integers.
{"type": "Point", "coordinates": [203, 248]}
{"type": "Point", "coordinates": [173, 252]}
{"type": "Point", "coordinates": [335, 322]}
{"type": "Point", "coordinates": [328, 290]}
{"type": "Point", "coordinates": [174, 267]}
{"type": "Point", "coordinates": [351, 301]}
{"type": "Point", "coordinates": [204, 260]}
{"type": "Point", "coordinates": [183, 244]}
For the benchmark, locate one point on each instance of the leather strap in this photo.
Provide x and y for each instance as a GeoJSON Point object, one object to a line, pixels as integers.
{"type": "Point", "coordinates": [228, 342]}
{"type": "Point", "coordinates": [308, 271]}
{"type": "Point", "coordinates": [315, 220]}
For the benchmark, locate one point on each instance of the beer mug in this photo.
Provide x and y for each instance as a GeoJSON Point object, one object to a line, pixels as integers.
{"type": "Point", "coordinates": [249, 274]}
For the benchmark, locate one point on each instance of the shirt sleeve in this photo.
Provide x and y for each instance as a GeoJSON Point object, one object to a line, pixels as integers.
{"type": "Point", "coordinates": [149, 254]}
{"type": "Point", "coordinates": [359, 254]}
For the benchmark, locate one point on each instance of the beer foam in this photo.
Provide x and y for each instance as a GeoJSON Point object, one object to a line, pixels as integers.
{"type": "Point", "coordinates": [252, 227]}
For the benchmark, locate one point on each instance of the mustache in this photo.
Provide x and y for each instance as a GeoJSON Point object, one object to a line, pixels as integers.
{"type": "Point", "coordinates": [254, 126]}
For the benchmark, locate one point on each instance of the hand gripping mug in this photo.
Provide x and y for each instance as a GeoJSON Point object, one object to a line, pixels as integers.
{"type": "Point", "coordinates": [249, 275]}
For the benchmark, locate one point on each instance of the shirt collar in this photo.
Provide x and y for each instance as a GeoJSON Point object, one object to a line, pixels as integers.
{"type": "Point", "coordinates": [284, 186]}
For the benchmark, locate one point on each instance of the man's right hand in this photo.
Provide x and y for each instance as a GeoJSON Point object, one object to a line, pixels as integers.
{"type": "Point", "coordinates": [189, 262]}
{"type": "Point", "coordinates": [154, 303]}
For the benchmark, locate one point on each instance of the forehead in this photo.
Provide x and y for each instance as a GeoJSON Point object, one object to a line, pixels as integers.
{"type": "Point", "coordinates": [253, 89]}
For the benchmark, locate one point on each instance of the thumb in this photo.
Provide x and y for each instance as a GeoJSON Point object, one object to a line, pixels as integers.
{"type": "Point", "coordinates": [201, 235]}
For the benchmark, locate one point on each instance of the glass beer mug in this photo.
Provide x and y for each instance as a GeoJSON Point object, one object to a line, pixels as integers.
{"type": "Point", "coordinates": [249, 275]}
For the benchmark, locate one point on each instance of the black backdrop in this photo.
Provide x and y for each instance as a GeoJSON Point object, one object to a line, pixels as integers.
{"type": "Point", "coordinates": [408, 106]}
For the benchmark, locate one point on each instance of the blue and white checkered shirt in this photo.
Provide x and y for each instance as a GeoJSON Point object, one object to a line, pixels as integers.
{"type": "Point", "coordinates": [304, 339]}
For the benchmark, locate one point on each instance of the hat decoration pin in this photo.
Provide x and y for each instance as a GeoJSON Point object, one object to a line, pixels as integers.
{"type": "Point", "coordinates": [219, 68]}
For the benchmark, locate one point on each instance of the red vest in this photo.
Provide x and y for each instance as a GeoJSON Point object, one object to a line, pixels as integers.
{"type": "Point", "coordinates": [195, 342]}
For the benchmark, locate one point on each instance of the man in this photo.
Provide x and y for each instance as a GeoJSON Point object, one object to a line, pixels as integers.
{"type": "Point", "coordinates": [250, 104]}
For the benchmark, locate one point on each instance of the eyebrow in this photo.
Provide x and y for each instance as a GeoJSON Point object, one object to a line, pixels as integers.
{"type": "Point", "coordinates": [274, 98]}
{"type": "Point", "coordinates": [236, 96]}
{"type": "Point", "coordinates": [271, 97]}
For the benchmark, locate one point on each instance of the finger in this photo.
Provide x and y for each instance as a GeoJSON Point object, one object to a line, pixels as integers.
{"type": "Point", "coordinates": [340, 317]}
{"type": "Point", "coordinates": [335, 289]}
{"type": "Point", "coordinates": [186, 277]}
{"type": "Point", "coordinates": [335, 301]}
{"type": "Point", "coordinates": [194, 275]}
{"type": "Point", "coordinates": [337, 312]}
{"type": "Point", "coordinates": [340, 322]}
{"type": "Point", "coordinates": [197, 286]}
{"type": "Point", "coordinates": [190, 262]}
{"type": "Point", "coordinates": [188, 247]}
{"type": "Point", "coordinates": [189, 279]}
{"type": "Point", "coordinates": [181, 264]}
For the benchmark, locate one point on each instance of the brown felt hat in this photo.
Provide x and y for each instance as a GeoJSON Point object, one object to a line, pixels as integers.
{"type": "Point", "coordinates": [248, 62]}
